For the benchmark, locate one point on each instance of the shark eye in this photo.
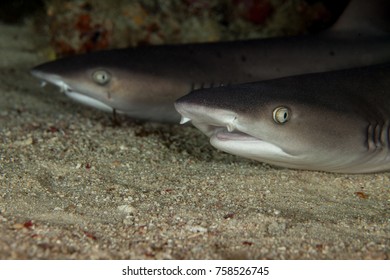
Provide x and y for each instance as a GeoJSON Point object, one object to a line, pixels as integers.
{"type": "Point", "coordinates": [281, 115]}
{"type": "Point", "coordinates": [101, 77]}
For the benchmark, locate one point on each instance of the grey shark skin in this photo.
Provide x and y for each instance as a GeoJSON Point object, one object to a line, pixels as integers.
{"type": "Point", "coordinates": [336, 121]}
{"type": "Point", "coordinates": [144, 82]}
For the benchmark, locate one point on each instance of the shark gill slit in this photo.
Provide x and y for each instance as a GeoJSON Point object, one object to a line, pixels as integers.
{"type": "Point", "coordinates": [203, 85]}
{"type": "Point", "coordinates": [378, 136]}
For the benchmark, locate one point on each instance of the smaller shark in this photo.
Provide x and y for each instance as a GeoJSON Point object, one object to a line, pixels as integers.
{"type": "Point", "coordinates": [144, 82]}
{"type": "Point", "coordinates": [337, 121]}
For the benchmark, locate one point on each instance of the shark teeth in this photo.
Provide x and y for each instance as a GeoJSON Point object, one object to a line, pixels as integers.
{"type": "Point", "coordinates": [231, 126]}
{"type": "Point", "coordinates": [184, 120]}
{"type": "Point", "coordinates": [63, 86]}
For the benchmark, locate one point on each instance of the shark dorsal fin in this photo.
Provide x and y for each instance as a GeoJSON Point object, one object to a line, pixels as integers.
{"type": "Point", "coordinates": [365, 17]}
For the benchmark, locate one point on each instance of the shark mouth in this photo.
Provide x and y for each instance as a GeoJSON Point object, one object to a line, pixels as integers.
{"type": "Point", "coordinates": [65, 88]}
{"type": "Point", "coordinates": [224, 133]}
{"type": "Point", "coordinates": [220, 131]}
{"type": "Point", "coordinates": [220, 124]}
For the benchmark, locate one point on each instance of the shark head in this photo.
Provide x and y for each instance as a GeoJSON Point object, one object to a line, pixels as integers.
{"type": "Point", "coordinates": [110, 81]}
{"type": "Point", "coordinates": [295, 122]}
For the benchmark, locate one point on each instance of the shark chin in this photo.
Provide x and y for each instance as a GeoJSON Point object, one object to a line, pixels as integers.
{"type": "Point", "coordinates": [242, 144]}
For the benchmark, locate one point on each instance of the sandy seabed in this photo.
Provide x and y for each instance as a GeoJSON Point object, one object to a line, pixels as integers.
{"type": "Point", "coordinates": [73, 185]}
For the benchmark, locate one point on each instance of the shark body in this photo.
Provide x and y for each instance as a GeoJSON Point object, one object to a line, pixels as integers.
{"type": "Point", "coordinates": [337, 121]}
{"type": "Point", "coordinates": [144, 82]}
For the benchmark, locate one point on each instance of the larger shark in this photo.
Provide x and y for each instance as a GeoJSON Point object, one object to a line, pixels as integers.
{"type": "Point", "coordinates": [337, 121]}
{"type": "Point", "coordinates": [144, 82]}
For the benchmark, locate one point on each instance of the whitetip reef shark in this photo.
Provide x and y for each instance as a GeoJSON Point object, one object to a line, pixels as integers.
{"type": "Point", "coordinates": [144, 82]}
{"type": "Point", "coordinates": [337, 121]}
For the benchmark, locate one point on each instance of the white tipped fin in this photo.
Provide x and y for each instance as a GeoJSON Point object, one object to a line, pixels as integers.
{"type": "Point", "coordinates": [43, 83]}
{"type": "Point", "coordinates": [184, 120]}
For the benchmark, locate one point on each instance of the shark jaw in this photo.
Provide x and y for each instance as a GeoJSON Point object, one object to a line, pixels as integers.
{"type": "Point", "coordinates": [89, 101]}
{"type": "Point", "coordinates": [242, 144]}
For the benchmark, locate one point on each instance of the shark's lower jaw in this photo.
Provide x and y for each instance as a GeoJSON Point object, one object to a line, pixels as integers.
{"type": "Point", "coordinates": [222, 134]}
{"type": "Point", "coordinates": [89, 101]}
{"type": "Point", "coordinates": [243, 144]}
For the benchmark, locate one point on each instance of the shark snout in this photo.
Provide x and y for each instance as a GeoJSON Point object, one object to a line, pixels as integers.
{"type": "Point", "coordinates": [206, 116]}
{"type": "Point", "coordinates": [50, 78]}
{"type": "Point", "coordinates": [184, 109]}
